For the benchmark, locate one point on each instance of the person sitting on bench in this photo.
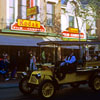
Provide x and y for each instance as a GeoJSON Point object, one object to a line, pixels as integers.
{"type": "Point", "coordinates": [69, 60]}
{"type": "Point", "coordinates": [67, 66]}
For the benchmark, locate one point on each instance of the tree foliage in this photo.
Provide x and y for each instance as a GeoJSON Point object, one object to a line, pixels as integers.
{"type": "Point", "coordinates": [87, 9]}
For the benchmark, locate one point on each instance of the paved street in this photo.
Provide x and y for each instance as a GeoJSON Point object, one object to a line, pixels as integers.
{"type": "Point", "coordinates": [82, 93]}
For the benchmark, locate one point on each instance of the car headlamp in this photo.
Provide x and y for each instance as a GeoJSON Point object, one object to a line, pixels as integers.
{"type": "Point", "coordinates": [38, 75]}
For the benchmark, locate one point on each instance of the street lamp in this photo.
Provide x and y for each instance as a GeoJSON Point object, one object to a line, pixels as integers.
{"type": "Point", "coordinates": [76, 12]}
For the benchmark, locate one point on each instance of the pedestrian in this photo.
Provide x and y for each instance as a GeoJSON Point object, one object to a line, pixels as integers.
{"type": "Point", "coordinates": [27, 60]}
{"type": "Point", "coordinates": [14, 73]}
{"type": "Point", "coordinates": [33, 62]}
{"type": "Point", "coordinates": [6, 65]}
{"type": "Point", "coordinates": [4, 69]}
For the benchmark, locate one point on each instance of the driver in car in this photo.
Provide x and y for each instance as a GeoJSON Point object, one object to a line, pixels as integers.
{"type": "Point", "coordinates": [69, 60]}
{"type": "Point", "coordinates": [68, 65]}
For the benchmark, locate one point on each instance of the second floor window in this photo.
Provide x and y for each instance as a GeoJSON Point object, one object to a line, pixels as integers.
{"type": "Point", "coordinates": [71, 21]}
{"type": "Point", "coordinates": [11, 10]}
{"type": "Point", "coordinates": [22, 9]}
{"type": "Point", "coordinates": [50, 14]}
{"type": "Point", "coordinates": [23, 5]}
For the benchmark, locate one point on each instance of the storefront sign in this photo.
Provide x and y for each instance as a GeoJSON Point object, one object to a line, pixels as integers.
{"type": "Point", "coordinates": [73, 30]}
{"type": "Point", "coordinates": [73, 35]}
{"type": "Point", "coordinates": [28, 23]}
{"type": "Point", "coordinates": [32, 11]}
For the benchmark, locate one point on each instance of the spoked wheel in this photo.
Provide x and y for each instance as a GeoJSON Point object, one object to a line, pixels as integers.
{"type": "Point", "coordinates": [46, 89]}
{"type": "Point", "coordinates": [95, 84]}
{"type": "Point", "coordinates": [75, 85]}
{"type": "Point", "coordinates": [24, 86]}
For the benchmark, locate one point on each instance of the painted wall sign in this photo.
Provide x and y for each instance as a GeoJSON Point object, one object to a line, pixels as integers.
{"type": "Point", "coordinates": [32, 11]}
{"type": "Point", "coordinates": [28, 23]}
{"type": "Point", "coordinates": [72, 35]}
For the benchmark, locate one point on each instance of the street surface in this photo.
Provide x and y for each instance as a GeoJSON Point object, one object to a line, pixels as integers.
{"type": "Point", "coordinates": [82, 93]}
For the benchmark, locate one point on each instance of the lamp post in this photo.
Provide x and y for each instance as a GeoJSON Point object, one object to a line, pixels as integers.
{"type": "Point", "coordinates": [76, 11]}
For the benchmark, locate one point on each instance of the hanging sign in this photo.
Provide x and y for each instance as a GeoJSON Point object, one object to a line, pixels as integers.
{"type": "Point", "coordinates": [28, 25]}
{"type": "Point", "coordinates": [73, 30]}
{"type": "Point", "coordinates": [32, 11]}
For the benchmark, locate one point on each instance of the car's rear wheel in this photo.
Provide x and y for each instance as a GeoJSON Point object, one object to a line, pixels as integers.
{"type": "Point", "coordinates": [24, 87]}
{"type": "Point", "coordinates": [95, 83]}
{"type": "Point", "coordinates": [46, 89]}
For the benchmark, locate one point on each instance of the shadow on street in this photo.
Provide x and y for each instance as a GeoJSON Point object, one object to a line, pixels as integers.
{"type": "Point", "coordinates": [66, 94]}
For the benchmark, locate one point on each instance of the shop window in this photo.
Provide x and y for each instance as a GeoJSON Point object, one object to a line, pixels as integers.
{"type": "Point", "coordinates": [71, 21]}
{"type": "Point", "coordinates": [50, 14]}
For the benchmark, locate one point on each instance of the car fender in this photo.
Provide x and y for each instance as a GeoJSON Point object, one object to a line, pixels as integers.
{"type": "Point", "coordinates": [51, 78]}
{"type": "Point", "coordinates": [55, 82]}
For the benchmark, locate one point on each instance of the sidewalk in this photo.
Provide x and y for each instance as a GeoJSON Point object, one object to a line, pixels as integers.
{"type": "Point", "coordinates": [12, 83]}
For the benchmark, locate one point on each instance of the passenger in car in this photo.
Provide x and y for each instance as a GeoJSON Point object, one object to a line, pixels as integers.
{"type": "Point", "coordinates": [69, 63]}
{"type": "Point", "coordinates": [95, 57]}
{"type": "Point", "coordinates": [69, 59]}
{"type": "Point", "coordinates": [88, 57]}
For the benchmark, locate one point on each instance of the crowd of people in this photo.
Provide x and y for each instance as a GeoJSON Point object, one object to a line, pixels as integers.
{"type": "Point", "coordinates": [92, 57]}
{"type": "Point", "coordinates": [9, 65]}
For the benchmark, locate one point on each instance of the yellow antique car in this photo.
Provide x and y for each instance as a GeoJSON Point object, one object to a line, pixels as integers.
{"type": "Point", "coordinates": [49, 78]}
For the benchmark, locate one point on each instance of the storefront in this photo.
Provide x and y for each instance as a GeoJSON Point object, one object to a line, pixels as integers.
{"type": "Point", "coordinates": [18, 45]}
{"type": "Point", "coordinates": [23, 28]}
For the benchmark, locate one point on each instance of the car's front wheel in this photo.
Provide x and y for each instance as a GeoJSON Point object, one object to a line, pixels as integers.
{"type": "Point", "coordinates": [46, 89]}
{"type": "Point", "coordinates": [24, 87]}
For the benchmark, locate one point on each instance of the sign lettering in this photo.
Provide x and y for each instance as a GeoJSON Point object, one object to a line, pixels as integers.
{"type": "Point", "coordinates": [28, 23]}
{"type": "Point", "coordinates": [72, 35]}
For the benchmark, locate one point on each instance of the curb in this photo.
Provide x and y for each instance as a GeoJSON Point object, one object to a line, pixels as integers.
{"type": "Point", "coordinates": [9, 86]}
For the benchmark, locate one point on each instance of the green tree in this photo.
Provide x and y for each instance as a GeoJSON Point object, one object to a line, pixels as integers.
{"type": "Point", "coordinates": [85, 9]}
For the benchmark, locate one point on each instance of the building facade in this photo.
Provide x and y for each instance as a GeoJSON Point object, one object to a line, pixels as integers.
{"type": "Point", "coordinates": [24, 23]}
{"type": "Point", "coordinates": [78, 14]}
{"type": "Point", "coordinates": [70, 21]}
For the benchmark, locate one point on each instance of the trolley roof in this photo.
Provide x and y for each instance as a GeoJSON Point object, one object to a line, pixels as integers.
{"type": "Point", "coordinates": [65, 43]}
